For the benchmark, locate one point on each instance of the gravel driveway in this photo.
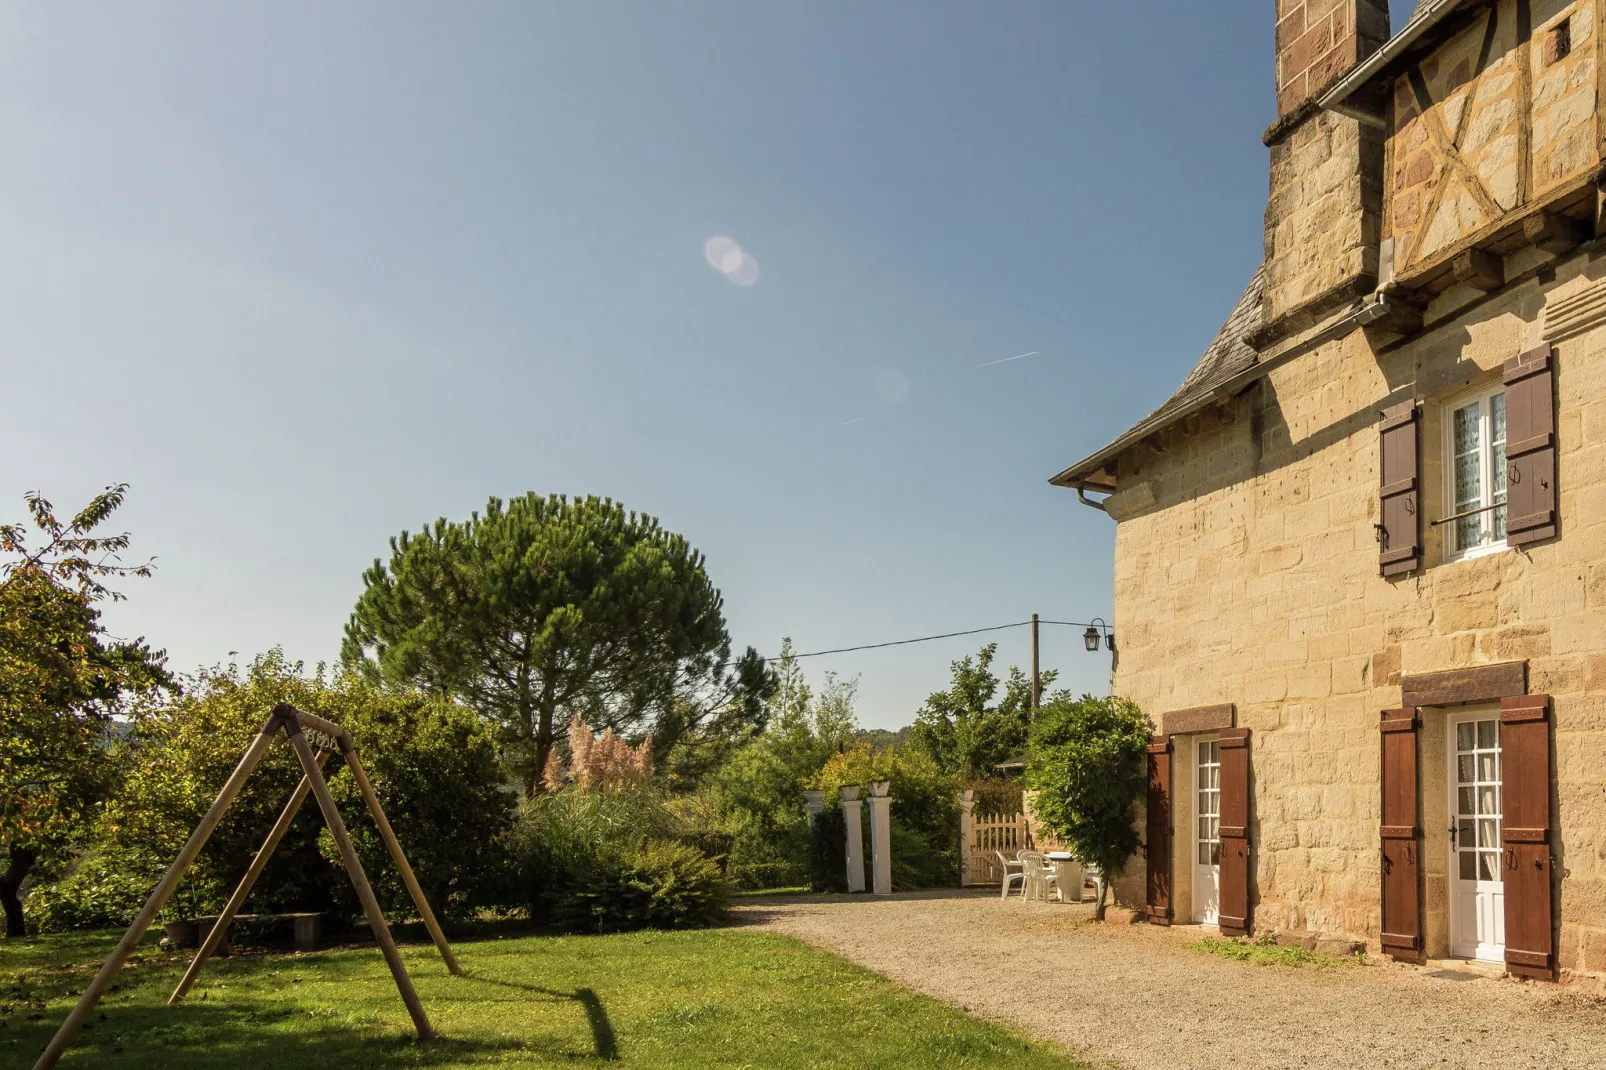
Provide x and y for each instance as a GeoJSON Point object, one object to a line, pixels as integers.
{"type": "Point", "coordinates": [1135, 996]}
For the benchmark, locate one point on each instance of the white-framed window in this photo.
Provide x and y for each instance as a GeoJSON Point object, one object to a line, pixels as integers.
{"type": "Point", "coordinates": [1475, 473]}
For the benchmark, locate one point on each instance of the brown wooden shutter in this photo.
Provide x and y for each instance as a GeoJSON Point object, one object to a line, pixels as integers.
{"type": "Point", "coordinates": [1530, 448]}
{"type": "Point", "coordinates": [1158, 838]}
{"type": "Point", "coordinates": [1402, 838]}
{"type": "Point", "coordinates": [1235, 916]}
{"type": "Point", "coordinates": [1525, 787]}
{"type": "Point", "coordinates": [1399, 537]}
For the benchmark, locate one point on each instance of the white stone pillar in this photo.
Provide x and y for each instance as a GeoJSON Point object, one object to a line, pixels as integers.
{"type": "Point", "coordinates": [967, 833]}
{"type": "Point", "coordinates": [814, 803]}
{"type": "Point", "coordinates": [850, 817]}
{"type": "Point", "coordinates": [881, 837]}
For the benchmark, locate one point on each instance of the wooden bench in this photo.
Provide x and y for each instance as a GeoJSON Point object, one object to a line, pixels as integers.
{"type": "Point", "coordinates": [189, 932]}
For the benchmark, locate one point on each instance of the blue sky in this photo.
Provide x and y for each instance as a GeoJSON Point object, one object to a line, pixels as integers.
{"type": "Point", "coordinates": [305, 275]}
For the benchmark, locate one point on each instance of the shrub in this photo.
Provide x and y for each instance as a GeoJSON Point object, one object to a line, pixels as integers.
{"type": "Point", "coordinates": [432, 764]}
{"type": "Point", "coordinates": [656, 885]}
{"type": "Point", "coordinates": [1089, 772]}
{"type": "Point", "coordinates": [600, 861]}
{"type": "Point", "coordinates": [104, 891]}
{"type": "Point", "coordinates": [763, 876]}
{"type": "Point", "coordinates": [925, 811]}
{"type": "Point", "coordinates": [828, 862]}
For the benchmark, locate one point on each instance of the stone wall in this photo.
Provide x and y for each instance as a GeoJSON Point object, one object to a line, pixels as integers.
{"type": "Point", "coordinates": [1323, 217]}
{"type": "Point", "coordinates": [1247, 572]}
{"type": "Point", "coordinates": [1324, 214]}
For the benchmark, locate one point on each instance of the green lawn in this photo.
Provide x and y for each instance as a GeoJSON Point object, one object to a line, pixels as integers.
{"type": "Point", "coordinates": [722, 998]}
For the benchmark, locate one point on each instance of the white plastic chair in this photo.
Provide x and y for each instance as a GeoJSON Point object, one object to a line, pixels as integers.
{"type": "Point", "coordinates": [1038, 877]}
{"type": "Point", "coordinates": [1091, 872]}
{"type": "Point", "coordinates": [1012, 872]}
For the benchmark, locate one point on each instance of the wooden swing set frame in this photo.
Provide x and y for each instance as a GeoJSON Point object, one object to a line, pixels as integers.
{"type": "Point", "coordinates": [313, 740]}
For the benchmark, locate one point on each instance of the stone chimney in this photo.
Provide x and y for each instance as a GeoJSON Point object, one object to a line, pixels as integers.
{"type": "Point", "coordinates": [1324, 213]}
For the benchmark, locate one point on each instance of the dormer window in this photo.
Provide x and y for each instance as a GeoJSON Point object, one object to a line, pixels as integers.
{"type": "Point", "coordinates": [1475, 463]}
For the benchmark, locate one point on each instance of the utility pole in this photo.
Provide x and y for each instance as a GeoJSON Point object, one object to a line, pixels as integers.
{"type": "Point", "coordinates": [1036, 693]}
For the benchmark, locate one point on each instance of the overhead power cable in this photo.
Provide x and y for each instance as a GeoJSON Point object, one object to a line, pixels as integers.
{"type": "Point", "coordinates": [930, 638]}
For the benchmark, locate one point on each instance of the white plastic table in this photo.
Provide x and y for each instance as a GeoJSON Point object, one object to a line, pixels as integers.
{"type": "Point", "coordinates": [1068, 873]}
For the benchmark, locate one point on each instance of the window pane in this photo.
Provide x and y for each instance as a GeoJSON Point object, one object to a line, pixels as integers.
{"type": "Point", "coordinates": [1204, 828]}
{"type": "Point", "coordinates": [1215, 776]}
{"type": "Point", "coordinates": [1488, 801]}
{"type": "Point", "coordinates": [1464, 796]}
{"type": "Point", "coordinates": [1468, 481]}
{"type": "Point", "coordinates": [1204, 754]}
{"type": "Point", "coordinates": [1487, 734]}
{"type": "Point", "coordinates": [1469, 865]}
{"type": "Point", "coordinates": [1465, 835]}
{"type": "Point", "coordinates": [1463, 736]}
{"type": "Point", "coordinates": [1204, 854]}
{"type": "Point", "coordinates": [1488, 866]}
{"type": "Point", "coordinates": [1215, 854]}
{"type": "Point", "coordinates": [1463, 768]}
{"type": "Point", "coordinates": [1215, 829]}
{"type": "Point", "coordinates": [1486, 767]}
{"type": "Point", "coordinates": [1215, 753]}
{"type": "Point", "coordinates": [1465, 423]}
{"type": "Point", "coordinates": [1488, 833]}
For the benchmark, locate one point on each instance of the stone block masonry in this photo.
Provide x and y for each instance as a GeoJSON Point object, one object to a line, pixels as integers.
{"type": "Point", "coordinates": [1254, 581]}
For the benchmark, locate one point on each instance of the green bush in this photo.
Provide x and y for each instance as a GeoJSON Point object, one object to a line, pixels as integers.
{"type": "Point", "coordinates": [104, 891]}
{"type": "Point", "coordinates": [925, 811]}
{"type": "Point", "coordinates": [762, 876]}
{"type": "Point", "coordinates": [606, 861]}
{"type": "Point", "coordinates": [1088, 767]}
{"type": "Point", "coordinates": [433, 765]}
{"type": "Point", "coordinates": [655, 885]}
{"type": "Point", "coordinates": [828, 862]}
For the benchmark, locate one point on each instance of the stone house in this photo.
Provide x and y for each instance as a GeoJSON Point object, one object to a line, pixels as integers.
{"type": "Point", "coordinates": [1360, 555]}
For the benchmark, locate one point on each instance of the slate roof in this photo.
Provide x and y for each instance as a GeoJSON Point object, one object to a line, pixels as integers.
{"type": "Point", "coordinates": [1228, 356]}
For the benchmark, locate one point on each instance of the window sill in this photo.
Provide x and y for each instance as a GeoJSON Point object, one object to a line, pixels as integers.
{"type": "Point", "coordinates": [1477, 552]}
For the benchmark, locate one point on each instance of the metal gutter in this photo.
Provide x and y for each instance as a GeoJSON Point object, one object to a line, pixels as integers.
{"type": "Point", "coordinates": [1428, 16]}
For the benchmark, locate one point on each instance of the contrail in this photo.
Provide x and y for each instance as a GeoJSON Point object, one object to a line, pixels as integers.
{"type": "Point", "coordinates": [1006, 360]}
{"type": "Point", "coordinates": [850, 423]}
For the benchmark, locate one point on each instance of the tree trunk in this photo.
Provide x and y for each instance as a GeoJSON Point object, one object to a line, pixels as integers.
{"type": "Point", "coordinates": [543, 734]}
{"type": "Point", "coordinates": [1104, 890]}
{"type": "Point", "coordinates": [21, 862]}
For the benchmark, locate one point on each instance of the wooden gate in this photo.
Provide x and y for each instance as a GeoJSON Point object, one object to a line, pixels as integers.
{"type": "Point", "coordinates": [989, 834]}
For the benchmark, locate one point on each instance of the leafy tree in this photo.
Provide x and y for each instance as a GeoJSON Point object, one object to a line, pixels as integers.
{"type": "Point", "coordinates": [62, 684]}
{"type": "Point", "coordinates": [760, 785]}
{"type": "Point", "coordinates": [546, 607]}
{"type": "Point", "coordinates": [1088, 768]}
{"type": "Point", "coordinates": [963, 731]}
{"type": "Point", "coordinates": [433, 765]}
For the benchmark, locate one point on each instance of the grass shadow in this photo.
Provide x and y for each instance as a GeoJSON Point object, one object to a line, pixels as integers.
{"type": "Point", "coordinates": [603, 1038]}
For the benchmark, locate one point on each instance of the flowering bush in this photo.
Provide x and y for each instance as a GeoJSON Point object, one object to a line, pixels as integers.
{"type": "Point", "coordinates": [600, 763]}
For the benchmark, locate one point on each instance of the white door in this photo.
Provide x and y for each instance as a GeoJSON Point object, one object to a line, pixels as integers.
{"type": "Point", "coordinates": [1207, 831]}
{"type": "Point", "coordinates": [1477, 893]}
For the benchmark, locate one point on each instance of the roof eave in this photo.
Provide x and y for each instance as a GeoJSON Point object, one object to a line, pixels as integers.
{"type": "Point", "coordinates": [1374, 66]}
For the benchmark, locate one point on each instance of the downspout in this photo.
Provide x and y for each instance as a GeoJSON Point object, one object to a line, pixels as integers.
{"type": "Point", "coordinates": [1081, 496]}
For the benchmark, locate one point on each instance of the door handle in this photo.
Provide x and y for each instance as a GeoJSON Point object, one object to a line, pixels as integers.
{"type": "Point", "coordinates": [1453, 832]}
{"type": "Point", "coordinates": [1511, 858]}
